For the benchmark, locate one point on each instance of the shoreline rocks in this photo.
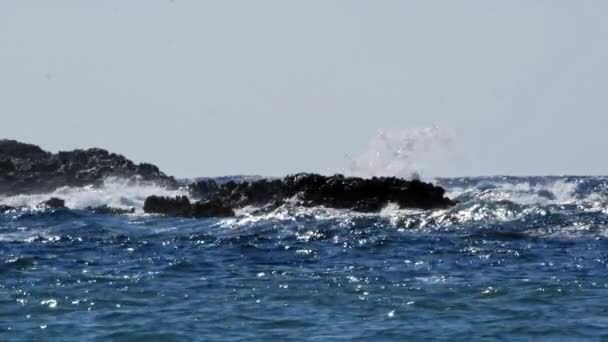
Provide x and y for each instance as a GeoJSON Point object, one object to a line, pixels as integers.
{"type": "Point", "coordinates": [365, 195]}
{"type": "Point", "coordinates": [28, 169]}
{"type": "Point", "coordinates": [339, 192]}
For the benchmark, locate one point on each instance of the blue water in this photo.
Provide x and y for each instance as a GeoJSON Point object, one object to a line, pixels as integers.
{"type": "Point", "coordinates": [517, 259]}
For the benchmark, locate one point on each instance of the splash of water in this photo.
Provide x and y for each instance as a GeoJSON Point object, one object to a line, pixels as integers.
{"type": "Point", "coordinates": [405, 153]}
{"type": "Point", "coordinates": [115, 192]}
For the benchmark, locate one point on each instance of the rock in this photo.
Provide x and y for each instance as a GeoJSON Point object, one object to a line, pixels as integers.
{"type": "Point", "coordinates": [365, 195]}
{"type": "Point", "coordinates": [6, 208]}
{"type": "Point", "coordinates": [26, 168]}
{"type": "Point", "coordinates": [53, 203]}
{"type": "Point", "coordinates": [104, 209]}
{"type": "Point", "coordinates": [176, 206]}
{"type": "Point", "coordinates": [205, 188]}
{"type": "Point", "coordinates": [211, 209]}
{"type": "Point", "coordinates": [180, 206]}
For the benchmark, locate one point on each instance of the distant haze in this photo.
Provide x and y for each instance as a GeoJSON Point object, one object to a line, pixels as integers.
{"type": "Point", "coordinates": [204, 88]}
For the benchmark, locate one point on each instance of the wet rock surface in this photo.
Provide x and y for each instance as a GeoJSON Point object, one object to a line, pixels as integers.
{"type": "Point", "coordinates": [181, 206]}
{"type": "Point", "coordinates": [365, 195]}
{"type": "Point", "coordinates": [26, 169]}
{"type": "Point", "coordinates": [358, 194]}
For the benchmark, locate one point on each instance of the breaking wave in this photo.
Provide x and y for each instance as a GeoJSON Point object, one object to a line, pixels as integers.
{"type": "Point", "coordinates": [115, 192]}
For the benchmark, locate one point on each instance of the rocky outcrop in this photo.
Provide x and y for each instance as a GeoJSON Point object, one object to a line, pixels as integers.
{"type": "Point", "coordinates": [365, 195]}
{"type": "Point", "coordinates": [52, 203]}
{"type": "Point", "coordinates": [172, 206]}
{"type": "Point", "coordinates": [202, 209]}
{"type": "Point", "coordinates": [26, 168]}
{"type": "Point", "coordinates": [181, 206]}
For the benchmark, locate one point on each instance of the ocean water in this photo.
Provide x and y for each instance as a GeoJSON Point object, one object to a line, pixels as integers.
{"type": "Point", "coordinates": [516, 259]}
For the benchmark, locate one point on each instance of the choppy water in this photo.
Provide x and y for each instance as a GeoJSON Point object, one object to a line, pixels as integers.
{"type": "Point", "coordinates": [518, 258]}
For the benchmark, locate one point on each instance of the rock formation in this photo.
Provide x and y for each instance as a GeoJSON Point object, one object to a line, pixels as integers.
{"type": "Point", "coordinates": [26, 168]}
{"type": "Point", "coordinates": [366, 195]}
{"type": "Point", "coordinates": [52, 203]}
{"type": "Point", "coordinates": [181, 206]}
{"type": "Point", "coordinates": [363, 195]}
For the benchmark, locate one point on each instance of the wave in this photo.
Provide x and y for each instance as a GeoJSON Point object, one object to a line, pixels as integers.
{"type": "Point", "coordinates": [534, 206]}
{"type": "Point", "coordinates": [504, 207]}
{"type": "Point", "coordinates": [115, 192]}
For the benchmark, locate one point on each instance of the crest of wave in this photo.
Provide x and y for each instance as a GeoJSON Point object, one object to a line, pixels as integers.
{"type": "Point", "coordinates": [404, 153]}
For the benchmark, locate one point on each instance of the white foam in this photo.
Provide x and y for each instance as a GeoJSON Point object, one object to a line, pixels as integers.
{"type": "Point", "coordinates": [557, 192]}
{"type": "Point", "coordinates": [115, 192]}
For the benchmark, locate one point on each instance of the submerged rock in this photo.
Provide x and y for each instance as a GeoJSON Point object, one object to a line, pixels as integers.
{"type": "Point", "coordinates": [26, 168]}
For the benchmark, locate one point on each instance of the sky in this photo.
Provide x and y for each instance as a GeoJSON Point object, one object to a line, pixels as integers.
{"type": "Point", "coordinates": [207, 88]}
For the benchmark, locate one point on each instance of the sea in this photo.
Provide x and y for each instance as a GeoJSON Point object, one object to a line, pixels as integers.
{"type": "Point", "coordinates": [518, 258]}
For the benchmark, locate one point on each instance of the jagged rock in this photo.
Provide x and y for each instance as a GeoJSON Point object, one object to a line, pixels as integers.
{"type": "Point", "coordinates": [53, 203]}
{"type": "Point", "coordinates": [176, 206]}
{"type": "Point", "coordinates": [26, 168]}
{"type": "Point", "coordinates": [205, 188]}
{"type": "Point", "coordinates": [366, 195]}
{"type": "Point", "coordinates": [104, 209]}
{"type": "Point", "coordinates": [211, 209]}
{"type": "Point", "coordinates": [181, 206]}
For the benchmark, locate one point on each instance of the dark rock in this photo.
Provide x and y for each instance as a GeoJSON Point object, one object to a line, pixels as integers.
{"type": "Point", "coordinates": [5, 208]}
{"type": "Point", "coordinates": [14, 149]}
{"type": "Point", "coordinates": [6, 166]}
{"type": "Point", "coordinates": [53, 203]}
{"type": "Point", "coordinates": [180, 206]}
{"type": "Point", "coordinates": [104, 209]}
{"type": "Point", "coordinates": [365, 195]}
{"type": "Point", "coordinates": [205, 188]}
{"type": "Point", "coordinates": [211, 209]}
{"type": "Point", "coordinates": [176, 206]}
{"type": "Point", "coordinates": [26, 168]}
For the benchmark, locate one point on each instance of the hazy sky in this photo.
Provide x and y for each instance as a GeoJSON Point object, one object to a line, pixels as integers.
{"type": "Point", "coordinates": [272, 87]}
